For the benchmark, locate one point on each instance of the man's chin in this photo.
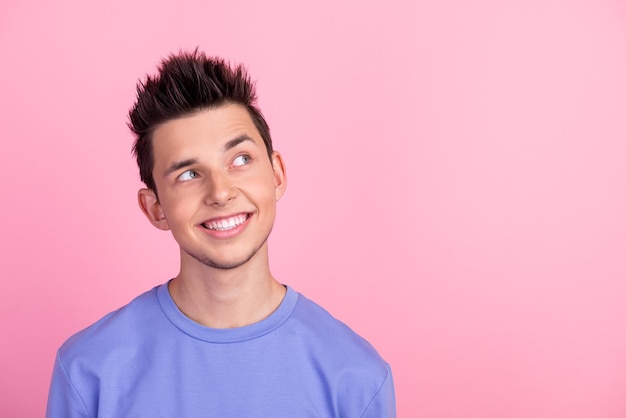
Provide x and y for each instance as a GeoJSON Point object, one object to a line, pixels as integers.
{"type": "Point", "coordinates": [223, 264]}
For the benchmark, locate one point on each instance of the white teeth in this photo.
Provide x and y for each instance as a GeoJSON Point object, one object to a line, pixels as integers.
{"type": "Point", "coordinates": [226, 224]}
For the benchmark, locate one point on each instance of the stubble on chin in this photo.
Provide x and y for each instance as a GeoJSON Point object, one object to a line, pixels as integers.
{"type": "Point", "coordinates": [209, 262]}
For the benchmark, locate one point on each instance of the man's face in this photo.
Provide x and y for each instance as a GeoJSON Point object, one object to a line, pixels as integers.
{"type": "Point", "coordinates": [217, 187]}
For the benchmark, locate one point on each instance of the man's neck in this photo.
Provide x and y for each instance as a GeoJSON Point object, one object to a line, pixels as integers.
{"type": "Point", "coordinates": [226, 298]}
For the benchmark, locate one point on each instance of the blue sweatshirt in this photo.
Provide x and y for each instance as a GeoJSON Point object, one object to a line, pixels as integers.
{"type": "Point", "coordinates": [148, 359]}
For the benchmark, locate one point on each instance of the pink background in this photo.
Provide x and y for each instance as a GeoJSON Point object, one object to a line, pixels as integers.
{"type": "Point", "coordinates": [457, 185]}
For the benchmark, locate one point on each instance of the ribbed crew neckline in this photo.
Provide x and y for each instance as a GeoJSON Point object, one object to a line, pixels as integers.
{"type": "Point", "coordinates": [226, 335]}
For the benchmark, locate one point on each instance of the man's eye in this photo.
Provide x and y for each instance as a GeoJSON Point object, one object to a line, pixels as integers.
{"type": "Point", "coordinates": [241, 160]}
{"type": "Point", "coordinates": [188, 175]}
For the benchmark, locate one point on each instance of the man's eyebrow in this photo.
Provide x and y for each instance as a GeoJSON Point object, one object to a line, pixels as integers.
{"type": "Point", "coordinates": [178, 165]}
{"type": "Point", "coordinates": [236, 141]}
{"type": "Point", "coordinates": [191, 161]}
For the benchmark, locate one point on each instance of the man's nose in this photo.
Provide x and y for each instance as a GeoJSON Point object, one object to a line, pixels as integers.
{"type": "Point", "coordinates": [220, 189]}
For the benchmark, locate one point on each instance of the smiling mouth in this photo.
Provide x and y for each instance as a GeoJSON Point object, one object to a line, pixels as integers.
{"type": "Point", "coordinates": [225, 224]}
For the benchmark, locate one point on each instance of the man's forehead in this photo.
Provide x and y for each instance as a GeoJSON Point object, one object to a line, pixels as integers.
{"type": "Point", "coordinates": [220, 127]}
{"type": "Point", "coordinates": [205, 134]}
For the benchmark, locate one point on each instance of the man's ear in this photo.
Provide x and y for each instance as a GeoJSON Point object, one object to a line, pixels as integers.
{"type": "Point", "coordinates": [280, 174]}
{"type": "Point", "coordinates": [150, 206]}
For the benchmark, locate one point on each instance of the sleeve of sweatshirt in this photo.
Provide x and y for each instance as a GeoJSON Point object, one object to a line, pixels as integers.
{"type": "Point", "coordinates": [383, 404]}
{"type": "Point", "coordinates": [63, 399]}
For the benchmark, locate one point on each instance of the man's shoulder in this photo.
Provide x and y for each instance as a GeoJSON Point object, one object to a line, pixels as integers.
{"type": "Point", "coordinates": [334, 338]}
{"type": "Point", "coordinates": [118, 327]}
{"type": "Point", "coordinates": [317, 319]}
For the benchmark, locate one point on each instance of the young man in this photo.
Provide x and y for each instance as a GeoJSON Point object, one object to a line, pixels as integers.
{"type": "Point", "coordinates": [223, 338]}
